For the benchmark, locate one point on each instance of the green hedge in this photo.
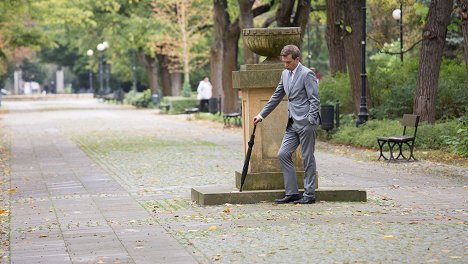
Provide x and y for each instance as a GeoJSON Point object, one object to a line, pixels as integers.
{"type": "Point", "coordinates": [138, 99]}
{"type": "Point", "coordinates": [177, 104]}
{"type": "Point", "coordinates": [449, 135]}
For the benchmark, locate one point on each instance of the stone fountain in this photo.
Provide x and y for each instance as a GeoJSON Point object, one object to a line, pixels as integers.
{"type": "Point", "coordinates": [257, 82]}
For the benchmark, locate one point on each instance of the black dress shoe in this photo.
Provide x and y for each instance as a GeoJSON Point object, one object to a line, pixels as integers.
{"type": "Point", "coordinates": [305, 200]}
{"type": "Point", "coordinates": [288, 199]}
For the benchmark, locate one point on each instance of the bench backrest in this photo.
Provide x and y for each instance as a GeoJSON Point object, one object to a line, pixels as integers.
{"type": "Point", "coordinates": [410, 121]}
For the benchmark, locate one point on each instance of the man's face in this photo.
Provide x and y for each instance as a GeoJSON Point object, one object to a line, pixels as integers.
{"type": "Point", "coordinates": [290, 63]}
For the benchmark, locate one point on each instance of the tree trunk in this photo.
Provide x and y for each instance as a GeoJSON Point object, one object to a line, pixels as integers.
{"type": "Point", "coordinates": [352, 48]}
{"type": "Point", "coordinates": [286, 18]}
{"type": "Point", "coordinates": [284, 12]}
{"type": "Point", "coordinates": [463, 7]}
{"type": "Point", "coordinates": [230, 64]}
{"type": "Point", "coordinates": [301, 17]}
{"type": "Point", "coordinates": [181, 20]}
{"type": "Point", "coordinates": [165, 75]}
{"type": "Point", "coordinates": [434, 33]}
{"type": "Point", "coordinates": [220, 22]}
{"type": "Point", "coordinates": [246, 21]}
{"type": "Point", "coordinates": [176, 83]}
{"type": "Point", "coordinates": [151, 68]}
{"type": "Point", "coordinates": [334, 35]}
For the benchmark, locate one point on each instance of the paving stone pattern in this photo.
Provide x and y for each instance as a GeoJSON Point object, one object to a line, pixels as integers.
{"type": "Point", "coordinates": [98, 183]}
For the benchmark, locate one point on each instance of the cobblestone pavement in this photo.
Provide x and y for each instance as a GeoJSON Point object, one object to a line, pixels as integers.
{"type": "Point", "coordinates": [128, 199]}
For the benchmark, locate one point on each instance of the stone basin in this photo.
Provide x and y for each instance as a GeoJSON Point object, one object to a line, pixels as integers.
{"type": "Point", "coordinates": [269, 42]}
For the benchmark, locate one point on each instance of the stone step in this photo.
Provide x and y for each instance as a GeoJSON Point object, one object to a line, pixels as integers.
{"type": "Point", "coordinates": [221, 194]}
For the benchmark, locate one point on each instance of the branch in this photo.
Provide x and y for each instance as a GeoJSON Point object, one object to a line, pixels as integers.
{"type": "Point", "coordinates": [262, 9]}
{"type": "Point", "coordinates": [382, 49]}
{"type": "Point", "coordinates": [317, 8]}
{"type": "Point", "coordinates": [269, 21]}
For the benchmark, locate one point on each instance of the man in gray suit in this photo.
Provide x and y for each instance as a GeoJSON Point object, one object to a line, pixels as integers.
{"type": "Point", "coordinates": [299, 84]}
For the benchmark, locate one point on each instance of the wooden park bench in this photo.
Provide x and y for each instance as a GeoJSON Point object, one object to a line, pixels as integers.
{"type": "Point", "coordinates": [190, 111]}
{"type": "Point", "coordinates": [234, 116]}
{"type": "Point", "coordinates": [164, 107]}
{"type": "Point", "coordinates": [392, 141]}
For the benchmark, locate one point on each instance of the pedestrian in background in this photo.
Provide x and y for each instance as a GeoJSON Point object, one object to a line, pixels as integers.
{"type": "Point", "coordinates": [204, 93]}
{"type": "Point", "coordinates": [318, 75]}
{"type": "Point", "coordinates": [299, 84]}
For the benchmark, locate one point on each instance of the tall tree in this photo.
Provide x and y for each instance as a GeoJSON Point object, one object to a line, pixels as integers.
{"type": "Point", "coordinates": [220, 23]}
{"type": "Point", "coordinates": [20, 36]}
{"type": "Point", "coordinates": [463, 10]}
{"type": "Point", "coordinates": [334, 35]}
{"type": "Point", "coordinates": [352, 47]}
{"type": "Point", "coordinates": [182, 21]}
{"type": "Point", "coordinates": [231, 48]}
{"type": "Point", "coordinates": [151, 67]}
{"type": "Point", "coordinates": [434, 34]}
{"type": "Point", "coordinates": [247, 21]}
{"type": "Point", "coordinates": [229, 33]}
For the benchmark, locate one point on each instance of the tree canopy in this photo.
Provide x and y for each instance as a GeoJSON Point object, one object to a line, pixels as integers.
{"type": "Point", "coordinates": [156, 42]}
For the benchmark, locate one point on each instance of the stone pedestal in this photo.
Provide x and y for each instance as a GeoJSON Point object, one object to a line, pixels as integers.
{"type": "Point", "coordinates": [257, 83]}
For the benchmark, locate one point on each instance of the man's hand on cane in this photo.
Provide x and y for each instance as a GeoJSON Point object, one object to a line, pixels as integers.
{"type": "Point", "coordinates": [257, 119]}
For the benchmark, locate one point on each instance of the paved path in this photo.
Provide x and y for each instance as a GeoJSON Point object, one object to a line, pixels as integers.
{"type": "Point", "coordinates": [69, 210]}
{"type": "Point", "coordinates": [97, 183]}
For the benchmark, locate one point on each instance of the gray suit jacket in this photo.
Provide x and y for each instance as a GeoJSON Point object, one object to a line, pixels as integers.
{"type": "Point", "coordinates": [303, 98]}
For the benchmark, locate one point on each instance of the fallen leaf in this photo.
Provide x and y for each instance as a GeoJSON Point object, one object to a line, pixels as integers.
{"type": "Point", "coordinates": [212, 228]}
{"type": "Point", "coordinates": [388, 237]}
{"type": "Point", "coordinates": [43, 235]}
{"type": "Point", "coordinates": [216, 257]}
{"type": "Point", "coordinates": [12, 190]}
{"type": "Point", "coordinates": [227, 210]}
{"type": "Point", "coordinates": [4, 212]}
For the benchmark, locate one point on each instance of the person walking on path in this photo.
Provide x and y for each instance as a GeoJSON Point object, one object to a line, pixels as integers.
{"type": "Point", "coordinates": [204, 93]}
{"type": "Point", "coordinates": [299, 84]}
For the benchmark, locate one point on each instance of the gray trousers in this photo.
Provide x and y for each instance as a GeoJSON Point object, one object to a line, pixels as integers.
{"type": "Point", "coordinates": [304, 136]}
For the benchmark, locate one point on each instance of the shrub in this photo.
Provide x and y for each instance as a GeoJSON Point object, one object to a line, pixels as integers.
{"type": "Point", "coordinates": [138, 99]}
{"type": "Point", "coordinates": [177, 104]}
{"type": "Point", "coordinates": [332, 88]}
{"type": "Point", "coordinates": [452, 94]}
{"type": "Point", "coordinates": [459, 142]}
{"type": "Point", "coordinates": [393, 85]}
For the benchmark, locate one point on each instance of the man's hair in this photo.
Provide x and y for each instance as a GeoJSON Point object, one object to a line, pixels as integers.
{"type": "Point", "coordinates": [292, 50]}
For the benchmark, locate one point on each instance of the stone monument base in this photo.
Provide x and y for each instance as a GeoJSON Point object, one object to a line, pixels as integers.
{"type": "Point", "coordinates": [221, 194]}
{"type": "Point", "coordinates": [268, 180]}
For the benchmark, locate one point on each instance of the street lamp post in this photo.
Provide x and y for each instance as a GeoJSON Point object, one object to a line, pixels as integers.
{"type": "Point", "coordinates": [363, 115]}
{"type": "Point", "coordinates": [134, 77]}
{"type": "Point", "coordinates": [397, 14]}
{"type": "Point", "coordinates": [106, 67]}
{"type": "Point", "coordinates": [101, 47]}
{"type": "Point", "coordinates": [90, 53]}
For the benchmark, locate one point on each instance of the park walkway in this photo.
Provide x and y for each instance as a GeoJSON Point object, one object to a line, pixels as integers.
{"type": "Point", "coordinates": [98, 183]}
